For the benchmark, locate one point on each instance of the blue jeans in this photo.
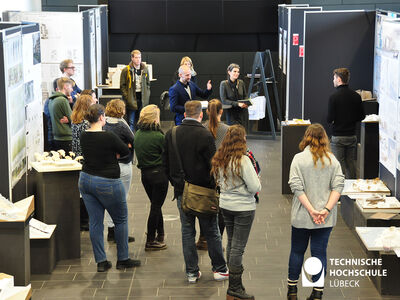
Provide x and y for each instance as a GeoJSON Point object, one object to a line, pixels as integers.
{"type": "Point", "coordinates": [319, 242]}
{"type": "Point", "coordinates": [133, 115]}
{"type": "Point", "coordinates": [209, 225]}
{"type": "Point", "coordinates": [238, 226]}
{"type": "Point", "coordinates": [126, 177]}
{"type": "Point", "coordinates": [101, 193]}
{"type": "Point", "coordinates": [345, 150]}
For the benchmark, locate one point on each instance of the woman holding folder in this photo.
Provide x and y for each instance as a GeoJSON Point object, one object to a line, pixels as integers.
{"type": "Point", "coordinates": [231, 92]}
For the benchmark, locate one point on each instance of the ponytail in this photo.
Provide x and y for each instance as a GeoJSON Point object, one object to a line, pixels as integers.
{"type": "Point", "coordinates": [214, 107]}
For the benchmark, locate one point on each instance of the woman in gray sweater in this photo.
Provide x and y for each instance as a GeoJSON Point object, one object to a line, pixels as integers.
{"type": "Point", "coordinates": [316, 179]}
{"type": "Point", "coordinates": [238, 182]}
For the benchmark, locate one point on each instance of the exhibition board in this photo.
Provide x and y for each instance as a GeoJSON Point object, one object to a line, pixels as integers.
{"type": "Point", "coordinates": [294, 64]}
{"type": "Point", "coordinates": [386, 89]}
{"type": "Point", "coordinates": [369, 150]}
{"type": "Point", "coordinates": [21, 131]}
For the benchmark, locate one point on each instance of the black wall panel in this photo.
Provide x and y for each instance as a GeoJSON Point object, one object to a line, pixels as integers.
{"type": "Point", "coordinates": [334, 40]}
{"type": "Point", "coordinates": [193, 16]}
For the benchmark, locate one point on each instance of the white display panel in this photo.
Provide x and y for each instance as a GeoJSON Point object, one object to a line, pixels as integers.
{"type": "Point", "coordinates": [61, 38]}
{"type": "Point", "coordinates": [14, 72]}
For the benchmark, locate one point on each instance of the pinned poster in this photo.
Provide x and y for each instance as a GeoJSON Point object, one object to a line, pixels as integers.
{"type": "Point", "coordinates": [295, 39]}
{"type": "Point", "coordinates": [301, 51]}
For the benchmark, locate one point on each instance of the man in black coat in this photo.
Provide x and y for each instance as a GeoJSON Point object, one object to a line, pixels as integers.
{"type": "Point", "coordinates": [196, 148]}
{"type": "Point", "coordinates": [345, 110]}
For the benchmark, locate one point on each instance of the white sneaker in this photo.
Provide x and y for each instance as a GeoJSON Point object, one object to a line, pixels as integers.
{"type": "Point", "coordinates": [194, 278]}
{"type": "Point", "coordinates": [219, 276]}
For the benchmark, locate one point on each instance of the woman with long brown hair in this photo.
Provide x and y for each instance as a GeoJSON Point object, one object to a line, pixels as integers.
{"type": "Point", "coordinates": [238, 181]}
{"type": "Point", "coordinates": [316, 181]}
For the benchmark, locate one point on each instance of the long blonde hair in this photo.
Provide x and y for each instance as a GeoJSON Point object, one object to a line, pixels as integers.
{"type": "Point", "coordinates": [80, 108]}
{"type": "Point", "coordinates": [230, 153]}
{"type": "Point", "coordinates": [315, 137]}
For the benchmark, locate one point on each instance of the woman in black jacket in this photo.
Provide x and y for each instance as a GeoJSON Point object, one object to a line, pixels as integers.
{"type": "Point", "coordinates": [231, 91]}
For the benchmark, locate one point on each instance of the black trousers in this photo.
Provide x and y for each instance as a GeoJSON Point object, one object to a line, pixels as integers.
{"type": "Point", "coordinates": [155, 183]}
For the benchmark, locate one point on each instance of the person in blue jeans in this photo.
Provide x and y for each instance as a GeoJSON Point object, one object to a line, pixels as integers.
{"type": "Point", "coordinates": [238, 181]}
{"type": "Point", "coordinates": [316, 180]}
{"type": "Point", "coordinates": [102, 188]}
{"type": "Point", "coordinates": [194, 147]}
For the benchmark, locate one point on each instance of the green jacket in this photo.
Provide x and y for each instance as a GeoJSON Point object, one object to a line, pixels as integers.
{"type": "Point", "coordinates": [58, 108]}
{"type": "Point", "coordinates": [149, 145]}
{"type": "Point", "coordinates": [128, 86]}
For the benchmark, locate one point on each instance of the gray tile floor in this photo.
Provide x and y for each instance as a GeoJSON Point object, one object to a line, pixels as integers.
{"type": "Point", "coordinates": [161, 275]}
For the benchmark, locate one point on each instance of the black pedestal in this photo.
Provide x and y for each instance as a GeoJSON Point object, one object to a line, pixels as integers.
{"type": "Point", "coordinates": [43, 255]}
{"type": "Point", "coordinates": [15, 251]}
{"type": "Point", "coordinates": [354, 217]}
{"type": "Point", "coordinates": [57, 202]}
{"type": "Point", "coordinates": [369, 154]}
{"type": "Point", "coordinates": [290, 140]}
{"type": "Point", "coordinates": [387, 285]}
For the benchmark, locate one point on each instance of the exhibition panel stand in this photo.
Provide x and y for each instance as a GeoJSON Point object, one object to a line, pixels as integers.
{"type": "Point", "coordinates": [57, 202]}
{"type": "Point", "coordinates": [14, 232]}
{"type": "Point", "coordinates": [290, 140]}
{"type": "Point", "coordinates": [295, 54]}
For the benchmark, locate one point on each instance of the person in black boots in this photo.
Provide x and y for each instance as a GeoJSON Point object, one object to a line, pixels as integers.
{"type": "Point", "coordinates": [316, 181]}
{"type": "Point", "coordinates": [149, 145]}
{"type": "Point", "coordinates": [102, 188]}
{"type": "Point", "coordinates": [238, 182]}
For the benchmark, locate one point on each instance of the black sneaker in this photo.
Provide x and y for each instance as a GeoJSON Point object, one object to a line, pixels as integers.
{"type": "Point", "coordinates": [103, 266]}
{"type": "Point", "coordinates": [154, 246]}
{"type": "Point", "coordinates": [128, 263]}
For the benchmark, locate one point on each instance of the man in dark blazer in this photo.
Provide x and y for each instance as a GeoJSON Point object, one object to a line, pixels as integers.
{"type": "Point", "coordinates": [184, 90]}
{"type": "Point", "coordinates": [196, 148]}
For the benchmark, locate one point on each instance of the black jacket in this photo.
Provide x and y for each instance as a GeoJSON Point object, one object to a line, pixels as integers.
{"type": "Point", "coordinates": [196, 147]}
{"type": "Point", "coordinates": [345, 109]}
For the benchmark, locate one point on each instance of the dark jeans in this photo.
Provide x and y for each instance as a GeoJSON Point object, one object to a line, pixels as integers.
{"type": "Point", "coordinates": [345, 150]}
{"type": "Point", "coordinates": [221, 225]}
{"type": "Point", "coordinates": [64, 145]}
{"type": "Point", "coordinates": [133, 115]}
{"type": "Point", "coordinates": [155, 183]}
{"type": "Point", "coordinates": [238, 226]}
{"type": "Point", "coordinates": [319, 241]}
{"type": "Point", "coordinates": [101, 193]}
{"type": "Point", "coordinates": [237, 115]}
{"type": "Point", "coordinates": [212, 235]}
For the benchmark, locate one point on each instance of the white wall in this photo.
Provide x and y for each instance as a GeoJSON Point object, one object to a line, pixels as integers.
{"type": "Point", "coordinates": [22, 5]}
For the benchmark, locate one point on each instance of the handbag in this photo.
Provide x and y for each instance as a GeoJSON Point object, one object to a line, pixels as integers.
{"type": "Point", "coordinates": [197, 200]}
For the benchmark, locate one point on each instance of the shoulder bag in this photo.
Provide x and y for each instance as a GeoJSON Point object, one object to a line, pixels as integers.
{"type": "Point", "coordinates": [197, 200]}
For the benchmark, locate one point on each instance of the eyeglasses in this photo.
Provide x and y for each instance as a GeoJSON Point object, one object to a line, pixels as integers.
{"type": "Point", "coordinates": [73, 68]}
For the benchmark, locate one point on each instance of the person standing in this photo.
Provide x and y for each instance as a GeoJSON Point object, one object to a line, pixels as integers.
{"type": "Point", "coordinates": [238, 182]}
{"type": "Point", "coordinates": [60, 115]}
{"type": "Point", "coordinates": [115, 111]}
{"type": "Point", "coordinates": [184, 90]}
{"type": "Point", "coordinates": [135, 87]}
{"type": "Point", "coordinates": [102, 188]}
{"type": "Point", "coordinates": [67, 69]}
{"type": "Point", "coordinates": [149, 145]}
{"type": "Point", "coordinates": [195, 146]}
{"type": "Point", "coordinates": [316, 180]}
{"type": "Point", "coordinates": [218, 131]}
{"type": "Point", "coordinates": [231, 91]}
{"type": "Point", "coordinates": [345, 110]}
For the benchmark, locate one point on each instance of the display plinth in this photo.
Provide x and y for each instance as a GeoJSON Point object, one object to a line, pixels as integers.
{"type": "Point", "coordinates": [43, 252]}
{"type": "Point", "coordinates": [57, 202]}
{"type": "Point", "coordinates": [290, 140]}
{"type": "Point", "coordinates": [14, 240]}
{"type": "Point", "coordinates": [354, 217]}
{"type": "Point", "coordinates": [386, 285]}
{"type": "Point", "coordinates": [369, 154]}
